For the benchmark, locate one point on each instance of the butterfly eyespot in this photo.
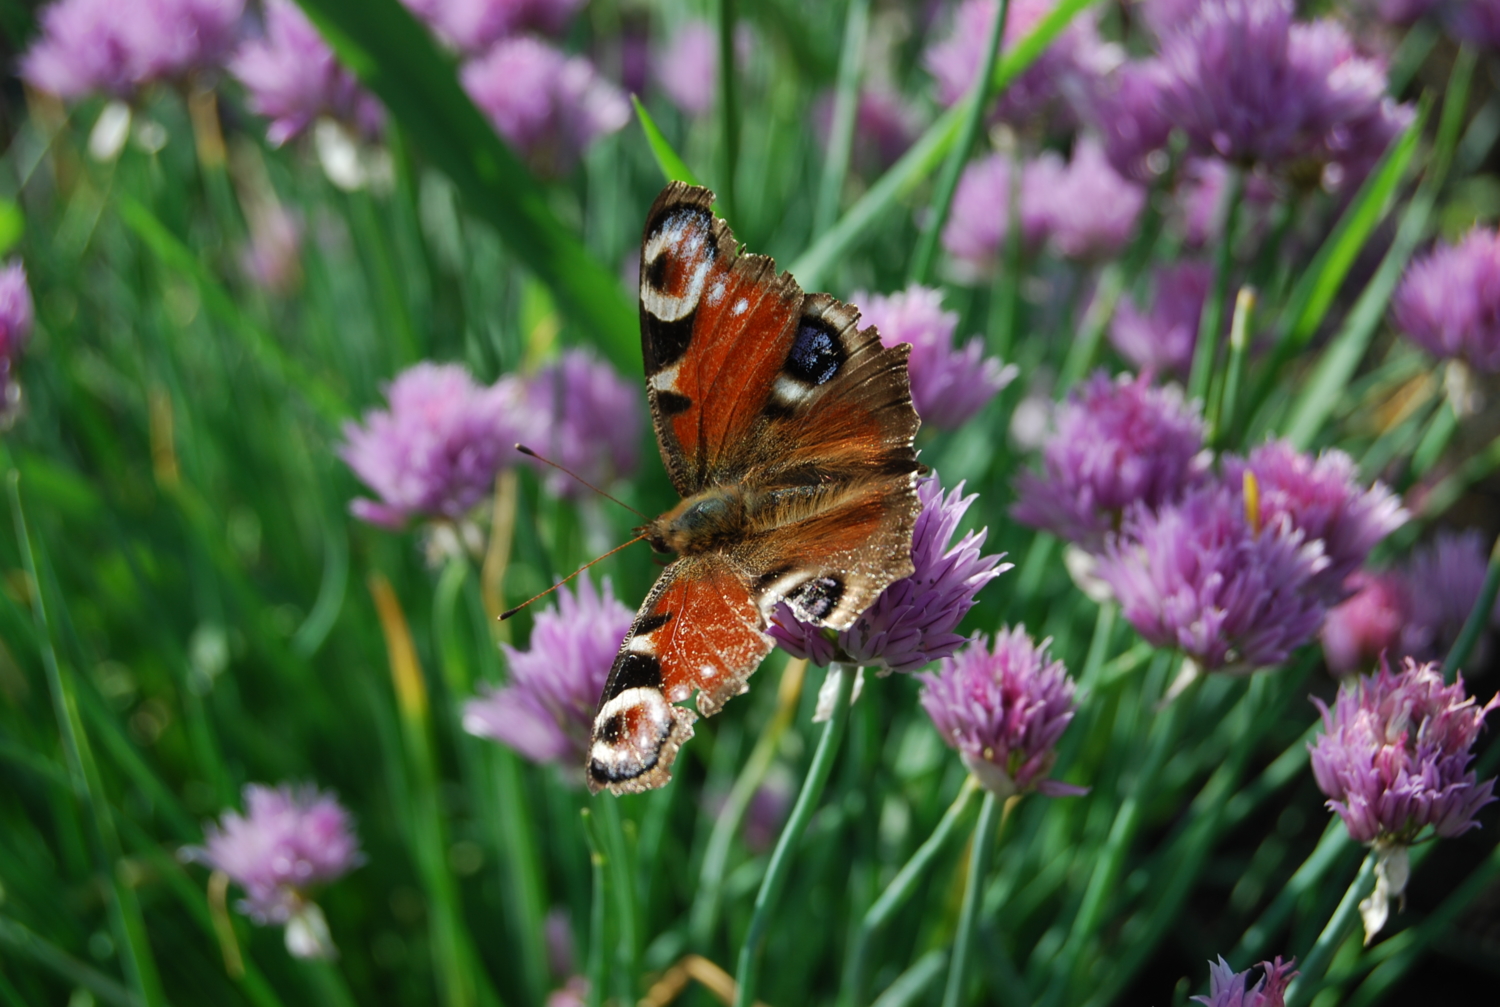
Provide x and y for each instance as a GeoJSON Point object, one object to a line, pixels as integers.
{"type": "Point", "coordinates": [612, 729]}
{"type": "Point", "coordinates": [816, 355]}
{"type": "Point", "coordinates": [817, 598]}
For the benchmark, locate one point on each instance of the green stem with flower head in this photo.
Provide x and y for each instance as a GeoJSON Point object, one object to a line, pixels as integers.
{"type": "Point", "coordinates": [979, 865]}
{"type": "Point", "coordinates": [1340, 926]}
{"type": "Point", "coordinates": [779, 869]}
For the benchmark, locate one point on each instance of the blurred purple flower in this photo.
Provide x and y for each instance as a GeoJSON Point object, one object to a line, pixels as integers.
{"type": "Point", "coordinates": [885, 126]}
{"type": "Point", "coordinates": [1061, 76]}
{"type": "Point", "coordinates": [1090, 209]}
{"type": "Point", "coordinates": [272, 259]}
{"type": "Point", "coordinates": [1322, 498]}
{"type": "Point", "coordinates": [587, 418]}
{"type": "Point", "coordinates": [1368, 624]}
{"type": "Point", "coordinates": [1404, 12]}
{"type": "Point", "coordinates": [573, 993]}
{"type": "Point", "coordinates": [1394, 755]}
{"type": "Point", "coordinates": [980, 219]}
{"type": "Point", "coordinates": [1476, 21]}
{"type": "Point", "coordinates": [557, 935]}
{"type": "Point", "coordinates": [546, 711]}
{"type": "Point", "coordinates": [1125, 107]}
{"type": "Point", "coordinates": [1200, 576]}
{"type": "Point", "coordinates": [89, 46]}
{"type": "Point", "coordinates": [688, 69]}
{"type": "Point", "coordinates": [1449, 301]}
{"type": "Point", "coordinates": [1247, 84]}
{"type": "Point", "coordinates": [1228, 988]}
{"type": "Point", "coordinates": [1166, 16]}
{"type": "Point", "coordinates": [290, 842]}
{"type": "Point", "coordinates": [548, 105]}
{"type": "Point", "coordinates": [948, 386]}
{"type": "Point", "coordinates": [1199, 196]}
{"type": "Point", "coordinates": [472, 26]}
{"type": "Point", "coordinates": [1003, 709]}
{"type": "Point", "coordinates": [17, 316]}
{"type": "Point", "coordinates": [434, 454]}
{"type": "Point", "coordinates": [912, 622]}
{"type": "Point", "coordinates": [1443, 580]}
{"type": "Point", "coordinates": [1117, 443]}
{"type": "Point", "coordinates": [1162, 340]}
{"type": "Point", "coordinates": [294, 79]}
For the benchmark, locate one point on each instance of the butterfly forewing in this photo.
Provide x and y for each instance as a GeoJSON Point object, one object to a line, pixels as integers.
{"type": "Point", "coordinates": [788, 432]}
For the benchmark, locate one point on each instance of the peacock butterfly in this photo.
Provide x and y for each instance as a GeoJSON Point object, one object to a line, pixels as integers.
{"type": "Point", "coordinates": [787, 431]}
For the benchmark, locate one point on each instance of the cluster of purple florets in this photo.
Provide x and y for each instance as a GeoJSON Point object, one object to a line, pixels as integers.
{"type": "Point", "coordinates": [1243, 82]}
{"type": "Point", "coordinates": [435, 452]}
{"type": "Point", "coordinates": [1237, 564]}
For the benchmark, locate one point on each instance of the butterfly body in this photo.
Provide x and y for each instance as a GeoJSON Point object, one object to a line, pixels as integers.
{"type": "Point", "coordinates": [788, 433]}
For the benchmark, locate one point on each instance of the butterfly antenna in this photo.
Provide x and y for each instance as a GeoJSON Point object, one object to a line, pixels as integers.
{"type": "Point", "coordinates": [548, 461]}
{"type": "Point", "coordinates": [510, 612]}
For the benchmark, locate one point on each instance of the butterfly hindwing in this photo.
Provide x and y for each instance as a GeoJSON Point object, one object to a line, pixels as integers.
{"type": "Point", "coordinates": [699, 629]}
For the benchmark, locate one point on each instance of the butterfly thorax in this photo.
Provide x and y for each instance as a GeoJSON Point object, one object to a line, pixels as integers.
{"type": "Point", "coordinates": [700, 523]}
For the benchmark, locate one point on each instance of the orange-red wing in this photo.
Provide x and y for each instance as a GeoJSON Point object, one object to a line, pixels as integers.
{"type": "Point", "coordinates": [699, 629]}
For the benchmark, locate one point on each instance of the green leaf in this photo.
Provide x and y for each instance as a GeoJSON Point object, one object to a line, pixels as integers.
{"type": "Point", "coordinates": [397, 59]}
{"type": "Point", "coordinates": [673, 167]}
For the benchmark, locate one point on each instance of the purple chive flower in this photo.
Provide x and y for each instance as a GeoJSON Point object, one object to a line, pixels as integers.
{"type": "Point", "coordinates": [1228, 988]}
{"type": "Point", "coordinates": [688, 69]}
{"type": "Point", "coordinates": [1443, 581]}
{"type": "Point", "coordinates": [949, 386]}
{"type": "Point", "coordinates": [290, 842]}
{"type": "Point", "coordinates": [16, 319]}
{"type": "Point", "coordinates": [1394, 755]}
{"type": "Point", "coordinates": [912, 622]}
{"type": "Point", "coordinates": [1118, 442]}
{"type": "Point", "coordinates": [1063, 73]}
{"type": "Point", "coordinates": [1394, 759]}
{"type": "Point", "coordinates": [1367, 624]}
{"type": "Point", "coordinates": [1476, 21]}
{"type": "Point", "coordinates": [980, 219]}
{"type": "Point", "coordinates": [472, 26]}
{"type": "Point", "coordinates": [573, 993]}
{"type": "Point", "coordinates": [1449, 301]}
{"type": "Point", "coordinates": [1321, 497]}
{"type": "Point", "coordinates": [1162, 339]}
{"type": "Point", "coordinates": [1090, 209]}
{"type": "Point", "coordinates": [1125, 107]}
{"type": "Point", "coordinates": [1404, 12]}
{"type": "Point", "coordinates": [548, 105]}
{"type": "Point", "coordinates": [588, 420]}
{"type": "Point", "coordinates": [546, 711]}
{"type": "Point", "coordinates": [294, 79]}
{"type": "Point", "coordinates": [94, 46]}
{"type": "Point", "coordinates": [1231, 592]}
{"type": "Point", "coordinates": [1003, 709]}
{"type": "Point", "coordinates": [1247, 84]}
{"type": "Point", "coordinates": [434, 454]}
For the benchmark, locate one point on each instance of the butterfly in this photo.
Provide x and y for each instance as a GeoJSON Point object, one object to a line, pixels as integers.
{"type": "Point", "coordinates": [787, 431]}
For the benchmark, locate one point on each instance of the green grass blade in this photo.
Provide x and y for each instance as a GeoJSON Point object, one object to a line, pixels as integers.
{"type": "Point", "coordinates": [903, 177]}
{"type": "Point", "coordinates": [19, 940]}
{"type": "Point", "coordinates": [178, 258]}
{"type": "Point", "coordinates": [845, 114]}
{"type": "Point", "coordinates": [397, 59]}
{"type": "Point", "coordinates": [126, 919]}
{"type": "Point", "coordinates": [977, 101]}
{"type": "Point", "coordinates": [1320, 395]}
{"type": "Point", "coordinates": [673, 167]}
